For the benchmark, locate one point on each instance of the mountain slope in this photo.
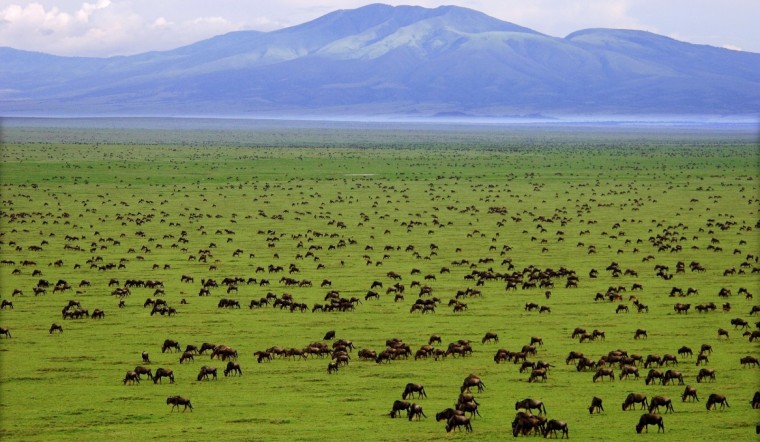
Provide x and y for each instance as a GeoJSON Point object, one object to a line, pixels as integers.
{"type": "Point", "coordinates": [393, 60]}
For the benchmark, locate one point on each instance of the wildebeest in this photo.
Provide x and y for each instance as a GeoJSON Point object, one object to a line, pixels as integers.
{"type": "Point", "coordinates": [714, 399]}
{"type": "Point", "coordinates": [163, 373]}
{"type": "Point", "coordinates": [689, 392]}
{"type": "Point", "coordinates": [131, 377]}
{"type": "Point", "coordinates": [635, 398]}
{"type": "Point", "coordinates": [411, 388]}
{"type": "Point", "coordinates": [472, 381]}
{"type": "Point", "coordinates": [176, 401]}
{"type": "Point", "coordinates": [524, 423]}
{"type": "Point", "coordinates": [415, 410]}
{"type": "Point", "coordinates": [55, 328]}
{"type": "Point", "coordinates": [749, 361]}
{"type": "Point", "coordinates": [399, 406]}
{"type": "Point", "coordinates": [627, 370]}
{"type": "Point", "coordinates": [685, 351]}
{"type": "Point", "coordinates": [555, 425]}
{"type": "Point", "coordinates": [650, 419]}
{"type": "Point", "coordinates": [468, 407]}
{"type": "Point", "coordinates": [329, 335]}
{"type": "Point", "coordinates": [233, 367]}
{"type": "Point", "coordinates": [206, 371]}
{"type": "Point", "coordinates": [652, 375]}
{"type": "Point", "coordinates": [640, 333]}
{"type": "Point", "coordinates": [657, 401]}
{"type": "Point", "coordinates": [188, 355]}
{"type": "Point", "coordinates": [170, 344]}
{"type": "Point", "coordinates": [602, 372]}
{"type": "Point", "coordinates": [756, 400]}
{"type": "Point", "coordinates": [706, 373]}
{"type": "Point", "coordinates": [531, 404]}
{"type": "Point", "coordinates": [537, 373]}
{"type": "Point", "coordinates": [490, 337]}
{"type": "Point", "coordinates": [6, 332]}
{"type": "Point", "coordinates": [596, 405]}
{"type": "Point", "coordinates": [457, 421]}
{"type": "Point", "coordinates": [672, 374]}
{"type": "Point", "coordinates": [447, 413]}
{"type": "Point", "coordinates": [140, 370]}
{"type": "Point", "coordinates": [6, 303]}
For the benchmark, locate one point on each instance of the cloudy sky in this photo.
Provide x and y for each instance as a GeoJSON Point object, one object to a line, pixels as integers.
{"type": "Point", "coordinates": [121, 27]}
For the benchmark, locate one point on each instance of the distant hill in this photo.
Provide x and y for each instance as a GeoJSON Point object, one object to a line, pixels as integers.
{"type": "Point", "coordinates": [384, 60]}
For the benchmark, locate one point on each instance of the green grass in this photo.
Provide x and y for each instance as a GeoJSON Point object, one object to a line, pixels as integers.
{"type": "Point", "coordinates": [392, 188]}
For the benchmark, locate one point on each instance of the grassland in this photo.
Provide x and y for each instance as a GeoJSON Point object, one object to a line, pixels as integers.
{"type": "Point", "coordinates": [573, 199]}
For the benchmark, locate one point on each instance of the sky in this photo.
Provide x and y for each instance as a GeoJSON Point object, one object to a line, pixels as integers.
{"type": "Point", "coordinates": [103, 28]}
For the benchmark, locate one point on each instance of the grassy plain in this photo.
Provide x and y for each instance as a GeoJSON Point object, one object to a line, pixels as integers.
{"type": "Point", "coordinates": [128, 193]}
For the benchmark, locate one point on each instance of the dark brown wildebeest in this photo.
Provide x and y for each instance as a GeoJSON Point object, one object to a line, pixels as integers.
{"type": "Point", "coordinates": [739, 322]}
{"type": "Point", "coordinates": [490, 337]}
{"type": "Point", "coordinates": [685, 351]}
{"type": "Point", "coordinates": [578, 332]}
{"type": "Point", "coordinates": [399, 406]}
{"type": "Point", "coordinates": [667, 359]}
{"type": "Point", "coordinates": [233, 367]}
{"type": "Point", "coordinates": [749, 361]}
{"type": "Point", "coordinates": [596, 405]}
{"type": "Point", "coordinates": [689, 392]}
{"type": "Point", "coordinates": [537, 373]}
{"type": "Point", "coordinates": [652, 375]}
{"type": "Point", "coordinates": [176, 401]}
{"type": "Point", "coordinates": [472, 381]}
{"type": "Point", "coordinates": [524, 423]}
{"type": "Point", "coordinates": [627, 370]}
{"type": "Point", "coordinates": [661, 400]}
{"type": "Point", "coordinates": [6, 332]}
{"type": "Point", "coordinates": [640, 333]}
{"type": "Point", "coordinates": [98, 314]}
{"type": "Point", "coordinates": [206, 346]}
{"type": "Point", "coordinates": [714, 399]}
{"type": "Point", "coordinates": [635, 398]}
{"type": "Point", "coordinates": [756, 400]}
{"type": "Point", "coordinates": [602, 372]}
{"type": "Point", "coordinates": [651, 360]}
{"type": "Point", "coordinates": [621, 308]}
{"type": "Point", "coordinates": [332, 367]}
{"type": "Point", "coordinates": [468, 407]}
{"type": "Point", "coordinates": [329, 335]}
{"type": "Point", "coordinates": [371, 295]}
{"type": "Point", "coordinates": [55, 328]}
{"type": "Point", "coordinates": [457, 421]}
{"type": "Point", "coordinates": [188, 355]}
{"type": "Point", "coordinates": [706, 373]}
{"type": "Point", "coordinates": [573, 356]}
{"type": "Point", "coordinates": [415, 410]}
{"type": "Point", "coordinates": [434, 339]}
{"type": "Point", "coordinates": [446, 414]}
{"type": "Point", "coordinates": [163, 373]}
{"type": "Point", "coordinates": [140, 370]}
{"type": "Point", "coordinates": [531, 404]}
{"type": "Point", "coordinates": [263, 356]}
{"type": "Point", "coordinates": [672, 374]}
{"type": "Point", "coordinates": [681, 308]}
{"type": "Point", "coordinates": [170, 344]}
{"type": "Point", "coordinates": [536, 340]}
{"type": "Point", "coordinates": [650, 419]}
{"type": "Point", "coordinates": [206, 371]}
{"type": "Point", "coordinates": [555, 425]}
{"type": "Point", "coordinates": [6, 303]}
{"type": "Point", "coordinates": [411, 388]}
{"type": "Point", "coordinates": [131, 377]}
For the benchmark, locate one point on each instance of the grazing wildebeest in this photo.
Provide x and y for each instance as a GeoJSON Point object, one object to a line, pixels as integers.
{"type": "Point", "coordinates": [140, 370]}
{"type": "Point", "coordinates": [332, 367]}
{"type": "Point", "coordinates": [6, 332]}
{"type": "Point", "coordinates": [131, 377]}
{"type": "Point", "coordinates": [555, 425]}
{"type": "Point", "coordinates": [55, 327]}
{"type": "Point", "coordinates": [596, 405]}
{"type": "Point", "coordinates": [652, 375]}
{"type": "Point", "coordinates": [472, 381]}
{"type": "Point", "coordinates": [530, 404]}
{"type": "Point", "coordinates": [446, 414]}
{"type": "Point", "coordinates": [536, 340]}
{"type": "Point", "coordinates": [206, 371]}
{"type": "Point", "coordinates": [176, 401]}
{"type": "Point", "coordinates": [399, 406]}
{"type": "Point", "coordinates": [434, 339]}
{"type": "Point", "coordinates": [468, 407]}
{"type": "Point", "coordinates": [634, 398]}
{"type": "Point", "coordinates": [206, 346]}
{"type": "Point", "coordinates": [756, 400]}
{"type": "Point", "coordinates": [411, 388]}
{"type": "Point", "coordinates": [170, 344]}
{"type": "Point", "coordinates": [163, 373]}
{"type": "Point", "coordinates": [689, 392]}
{"type": "Point", "coordinates": [706, 373]}
{"type": "Point", "coordinates": [685, 351]}
{"type": "Point", "coordinates": [457, 421]}
{"type": "Point", "coordinates": [627, 370]}
{"type": "Point", "coordinates": [640, 333]}
{"type": "Point", "coordinates": [749, 361]}
{"type": "Point", "coordinates": [6, 303]}
{"type": "Point", "coordinates": [661, 400]}
{"type": "Point", "coordinates": [714, 399]}
{"type": "Point", "coordinates": [537, 373]}
{"type": "Point", "coordinates": [145, 357]}
{"type": "Point", "coordinates": [602, 372]}
{"type": "Point", "coordinates": [490, 337]}
{"type": "Point", "coordinates": [233, 367]}
{"type": "Point", "coordinates": [98, 314]}
{"type": "Point", "coordinates": [188, 355]}
{"type": "Point", "coordinates": [650, 419]}
{"type": "Point", "coordinates": [672, 374]}
{"type": "Point", "coordinates": [415, 410]}
{"type": "Point", "coordinates": [329, 335]}
{"type": "Point", "coordinates": [524, 423]}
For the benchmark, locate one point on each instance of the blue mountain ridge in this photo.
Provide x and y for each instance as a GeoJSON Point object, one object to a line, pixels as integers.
{"type": "Point", "coordinates": [385, 60]}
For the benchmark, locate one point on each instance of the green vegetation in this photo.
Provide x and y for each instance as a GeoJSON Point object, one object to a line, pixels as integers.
{"type": "Point", "coordinates": [351, 204]}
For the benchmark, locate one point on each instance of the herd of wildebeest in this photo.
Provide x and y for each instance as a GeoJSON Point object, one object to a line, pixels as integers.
{"type": "Point", "coordinates": [494, 272]}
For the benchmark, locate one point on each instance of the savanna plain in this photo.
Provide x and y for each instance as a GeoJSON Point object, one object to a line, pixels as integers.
{"type": "Point", "coordinates": [519, 231]}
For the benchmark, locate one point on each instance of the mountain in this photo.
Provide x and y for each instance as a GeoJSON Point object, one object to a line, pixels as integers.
{"type": "Point", "coordinates": [384, 60]}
